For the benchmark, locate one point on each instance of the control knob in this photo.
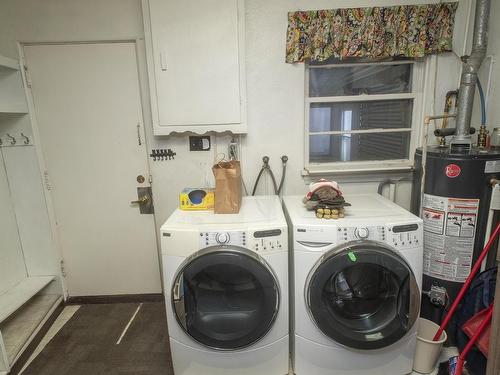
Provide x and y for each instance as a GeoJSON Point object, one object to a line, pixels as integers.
{"type": "Point", "coordinates": [361, 233]}
{"type": "Point", "coordinates": [222, 238]}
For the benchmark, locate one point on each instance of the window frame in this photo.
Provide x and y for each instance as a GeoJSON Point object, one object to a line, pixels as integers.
{"type": "Point", "coordinates": [418, 83]}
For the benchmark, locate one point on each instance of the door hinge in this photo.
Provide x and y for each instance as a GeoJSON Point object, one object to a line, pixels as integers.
{"type": "Point", "coordinates": [27, 76]}
{"type": "Point", "coordinates": [46, 181]}
{"type": "Point", "coordinates": [150, 179]}
{"type": "Point", "coordinates": [63, 270]}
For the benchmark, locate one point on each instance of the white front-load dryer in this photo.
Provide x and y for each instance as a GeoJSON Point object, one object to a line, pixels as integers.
{"type": "Point", "coordinates": [226, 290]}
{"type": "Point", "coordinates": [357, 286]}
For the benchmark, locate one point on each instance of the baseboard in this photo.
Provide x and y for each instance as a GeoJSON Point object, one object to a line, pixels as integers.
{"type": "Point", "coordinates": [121, 298]}
{"type": "Point", "coordinates": [30, 349]}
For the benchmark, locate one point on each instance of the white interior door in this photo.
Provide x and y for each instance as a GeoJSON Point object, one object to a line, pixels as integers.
{"type": "Point", "coordinates": [87, 104]}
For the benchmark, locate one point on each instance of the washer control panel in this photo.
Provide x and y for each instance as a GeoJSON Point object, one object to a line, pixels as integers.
{"type": "Point", "coordinates": [237, 238]}
{"type": "Point", "coordinates": [402, 236]}
{"type": "Point", "coordinates": [375, 233]}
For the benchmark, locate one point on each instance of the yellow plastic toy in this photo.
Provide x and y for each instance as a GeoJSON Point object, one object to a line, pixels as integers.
{"type": "Point", "coordinates": [193, 199]}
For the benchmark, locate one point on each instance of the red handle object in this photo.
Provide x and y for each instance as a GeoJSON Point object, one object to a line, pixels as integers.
{"type": "Point", "coordinates": [470, 344]}
{"type": "Point", "coordinates": [467, 283]}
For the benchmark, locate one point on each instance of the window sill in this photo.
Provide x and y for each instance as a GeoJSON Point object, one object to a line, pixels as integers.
{"type": "Point", "coordinates": [317, 170]}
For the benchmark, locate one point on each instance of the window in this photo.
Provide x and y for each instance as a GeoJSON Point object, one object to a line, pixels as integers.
{"type": "Point", "coordinates": [361, 116]}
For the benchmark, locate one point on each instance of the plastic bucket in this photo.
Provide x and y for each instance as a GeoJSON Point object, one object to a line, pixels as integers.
{"type": "Point", "coordinates": [427, 351]}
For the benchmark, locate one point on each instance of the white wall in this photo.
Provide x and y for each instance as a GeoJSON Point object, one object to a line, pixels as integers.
{"type": "Point", "coordinates": [493, 81]}
{"type": "Point", "coordinates": [275, 90]}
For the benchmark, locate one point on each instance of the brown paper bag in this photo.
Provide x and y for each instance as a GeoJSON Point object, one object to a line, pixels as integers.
{"type": "Point", "coordinates": [227, 187]}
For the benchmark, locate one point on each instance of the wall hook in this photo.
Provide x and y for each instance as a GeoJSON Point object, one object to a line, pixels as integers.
{"type": "Point", "coordinates": [12, 139]}
{"type": "Point", "coordinates": [26, 139]}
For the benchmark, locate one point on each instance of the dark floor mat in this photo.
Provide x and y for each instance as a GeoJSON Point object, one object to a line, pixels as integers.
{"type": "Point", "coordinates": [87, 343]}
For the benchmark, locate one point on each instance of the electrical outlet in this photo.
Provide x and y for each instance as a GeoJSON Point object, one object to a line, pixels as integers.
{"type": "Point", "coordinates": [199, 143]}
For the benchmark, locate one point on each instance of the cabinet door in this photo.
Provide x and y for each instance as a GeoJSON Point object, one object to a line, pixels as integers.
{"type": "Point", "coordinates": [196, 63]}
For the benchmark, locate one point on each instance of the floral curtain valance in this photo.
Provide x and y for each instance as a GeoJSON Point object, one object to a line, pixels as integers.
{"type": "Point", "coordinates": [378, 32]}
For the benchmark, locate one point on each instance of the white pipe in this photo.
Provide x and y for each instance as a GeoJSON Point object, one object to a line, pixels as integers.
{"type": "Point", "coordinates": [392, 192]}
{"type": "Point", "coordinates": [487, 235]}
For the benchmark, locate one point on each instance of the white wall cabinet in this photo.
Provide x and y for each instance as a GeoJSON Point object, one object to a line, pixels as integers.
{"type": "Point", "coordinates": [196, 65]}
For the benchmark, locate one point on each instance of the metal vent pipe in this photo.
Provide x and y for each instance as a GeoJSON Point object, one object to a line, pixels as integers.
{"type": "Point", "coordinates": [469, 75]}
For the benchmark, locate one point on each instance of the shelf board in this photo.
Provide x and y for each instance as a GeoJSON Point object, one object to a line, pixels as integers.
{"type": "Point", "coordinates": [16, 297]}
{"type": "Point", "coordinates": [19, 108]}
{"type": "Point", "coordinates": [8, 63]}
{"type": "Point", "coordinates": [19, 329]}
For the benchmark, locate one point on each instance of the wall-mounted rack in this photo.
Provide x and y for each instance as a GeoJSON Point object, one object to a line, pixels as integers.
{"type": "Point", "coordinates": [13, 140]}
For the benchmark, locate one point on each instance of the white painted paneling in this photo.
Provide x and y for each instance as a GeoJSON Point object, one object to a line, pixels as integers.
{"type": "Point", "coordinates": [88, 106]}
{"type": "Point", "coordinates": [31, 211]}
{"type": "Point", "coordinates": [12, 269]}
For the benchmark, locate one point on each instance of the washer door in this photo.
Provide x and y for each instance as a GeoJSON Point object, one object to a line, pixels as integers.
{"type": "Point", "coordinates": [225, 297]}
{"type": "Point", "coordinates": [363, 295]}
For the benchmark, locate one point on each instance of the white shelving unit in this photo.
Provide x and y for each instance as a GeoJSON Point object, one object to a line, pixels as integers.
{"type": "Point", "coordinates": [25, 308]}
{"type": "Point", "coordinates": [30, 281]}
{"type": "Point", "coordinates": [8, 63]}
{"type": "Point", "coordinates": [12, 98]}
{"type": "Point", "coordinates": [16, 297]}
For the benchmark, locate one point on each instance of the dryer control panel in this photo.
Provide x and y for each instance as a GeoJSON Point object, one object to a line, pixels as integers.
{"type": "Point", "coordinates": [405, 236]}
{"type": "Point", "coordinates": [374, 233]}
{"type": "Point", "coordinates": [261, 241]}
{"type": "Point", "coordinates": [237, 238]}
{"type": "Point", "coordinates": [268, 240]}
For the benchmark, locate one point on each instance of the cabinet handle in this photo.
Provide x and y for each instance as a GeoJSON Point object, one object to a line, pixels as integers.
{"type": "Point", "coordinates": [163, 61]}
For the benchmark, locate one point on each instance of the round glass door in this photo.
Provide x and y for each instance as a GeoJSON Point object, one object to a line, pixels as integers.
{"type": "Point", "coordinates": [225, 297]}
{"type": "Point", "coordinates": [363, 295]}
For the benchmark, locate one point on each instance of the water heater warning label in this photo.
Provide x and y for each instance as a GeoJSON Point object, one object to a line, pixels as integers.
{"type": "Point", "coordinates": [449, 233]}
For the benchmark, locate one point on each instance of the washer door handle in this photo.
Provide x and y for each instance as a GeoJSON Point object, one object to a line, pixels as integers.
{"type": "Point", "coordinates": [178, 301]}
{"type": "Point", "coordinates": [414, 308]}
{"type": "Point", "coordinates": [314, 244]}
{"type": "Point", "coordinates": [176, 291]}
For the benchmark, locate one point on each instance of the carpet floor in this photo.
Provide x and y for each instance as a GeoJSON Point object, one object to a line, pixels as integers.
{"type": "Point", "coordinates": [94, 342]}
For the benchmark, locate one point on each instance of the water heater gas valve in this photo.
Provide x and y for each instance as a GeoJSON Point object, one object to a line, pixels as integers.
{"type": "Point", "coordinates": [437, 295]}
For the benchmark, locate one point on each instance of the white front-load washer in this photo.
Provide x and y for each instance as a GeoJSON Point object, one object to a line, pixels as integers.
{"type": "Point", "coordinates": [357, 286]}
{"type": "Point", "coordinates": [226, 290]}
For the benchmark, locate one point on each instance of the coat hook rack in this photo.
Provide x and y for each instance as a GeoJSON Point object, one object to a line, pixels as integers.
{"type": "Point", "coordinates": [12, 139]}
{"type": "Point", "coordinates": [26, 139]}
{"type": "Point", "coordinates": [162, 154]}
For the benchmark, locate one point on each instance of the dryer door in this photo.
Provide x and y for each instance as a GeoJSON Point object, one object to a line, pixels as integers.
{"type": "Point", "coordinates": [225, 297]}
{"type": "Point", "coordinates": [363, 295]}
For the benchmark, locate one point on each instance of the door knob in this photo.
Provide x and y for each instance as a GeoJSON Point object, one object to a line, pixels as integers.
{"type": "Point", "coordinates": [143, 200]}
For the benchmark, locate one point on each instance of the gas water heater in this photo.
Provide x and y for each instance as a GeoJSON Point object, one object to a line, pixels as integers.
{"type": "Point", "coordinates": [455, 206]}
{"type": "Point", "coordinates": [455, 200]}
